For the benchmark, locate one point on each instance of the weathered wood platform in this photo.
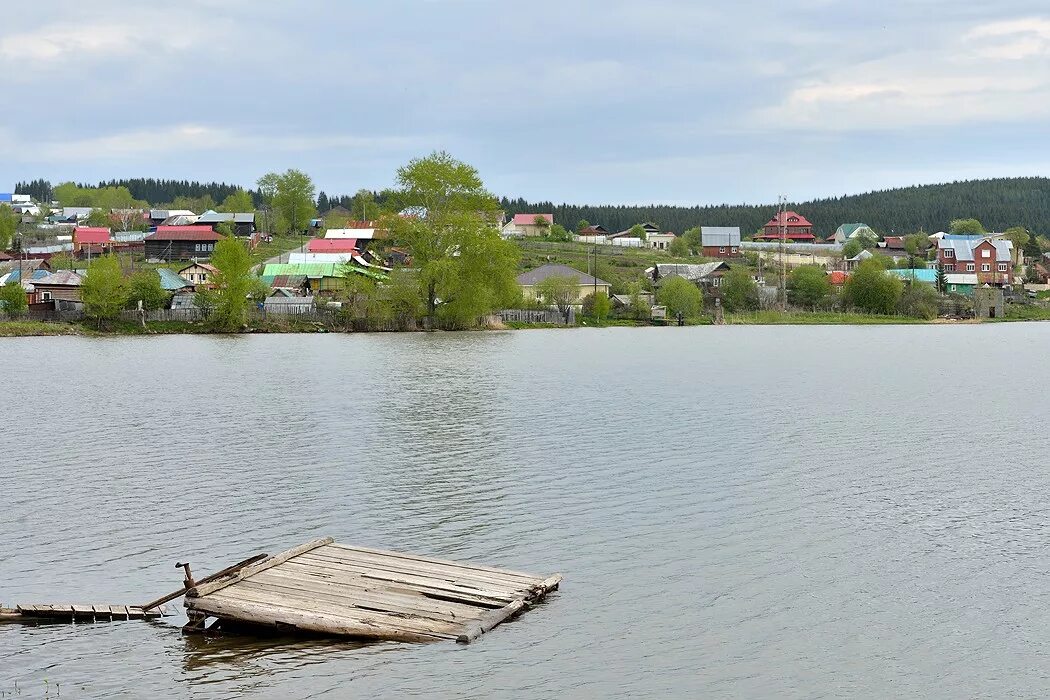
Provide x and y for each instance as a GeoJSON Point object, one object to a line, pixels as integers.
{"type": "Point", "coordinates": [97, 613]}
{"type": "Point", "coordinates": [368, 593]}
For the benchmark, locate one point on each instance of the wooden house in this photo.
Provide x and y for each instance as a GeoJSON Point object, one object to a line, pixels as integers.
{"type": "Point", "coordinates": [181, 243]}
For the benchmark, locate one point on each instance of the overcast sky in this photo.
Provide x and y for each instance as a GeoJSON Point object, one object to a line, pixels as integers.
{"type": "Point", "coordinates": [586, 101]}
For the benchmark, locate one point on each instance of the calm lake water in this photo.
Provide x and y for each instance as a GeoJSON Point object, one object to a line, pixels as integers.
{"type": "Point", "coordinates": [738, 511]}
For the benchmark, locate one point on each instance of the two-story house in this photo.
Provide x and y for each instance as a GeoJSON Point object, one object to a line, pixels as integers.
{"type": "Point", "coordinates": [789, 224]}
{"type": "Point", "coordinates": [991, 259]}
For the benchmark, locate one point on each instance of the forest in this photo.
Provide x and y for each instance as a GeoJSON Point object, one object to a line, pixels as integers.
{"type": "Point", "coordinates": [997, 203]}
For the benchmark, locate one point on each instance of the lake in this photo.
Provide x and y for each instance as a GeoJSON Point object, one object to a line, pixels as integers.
{"type": "Point", "coordinates": [738, 511]}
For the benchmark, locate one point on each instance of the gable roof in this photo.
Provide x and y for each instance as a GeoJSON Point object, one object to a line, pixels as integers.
{"type": "Point", "coordinates": [169, 280]}
{"type": "Point", "coordinates": [62, 278]}
{"type": "Point", "coordinates": [183, 233]}
{"type": "Point", "coordinates": [91, 234]}
{"type": "Point", "coordinates": [790, 218]}
{"type": "Point", "coordinates": [210, 268]}
{"type": "Point", "coordinates": [721, 236]}
{"type": "Point", "coordinates": [849, 230]}
{"type": "Point", "coordinates": [332, 245]}
{"type": "Point", "coordinates": [963, 247]}
{"type": "Point", "coordinates": [364, 234]}
{"type": "Point", "coordinates": [530, 219]}
{"type": "Point", "coordinates": [216, 217]}
{"type": "Point", "coordinates": [693, 273]}
{"type": "Point", "coordinates": [534, 277]}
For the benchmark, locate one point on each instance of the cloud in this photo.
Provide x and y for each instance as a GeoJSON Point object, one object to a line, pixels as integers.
{"type": "Point", "coordinates": [68, 42]}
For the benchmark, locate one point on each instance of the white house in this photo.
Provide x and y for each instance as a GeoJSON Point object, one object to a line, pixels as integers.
{"type": "Point", "coordinates": [847, 231]}
{"type": "Point", "coordinates": [524, 225]}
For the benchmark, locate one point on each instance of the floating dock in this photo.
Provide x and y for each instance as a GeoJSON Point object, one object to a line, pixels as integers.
{"type": "Point", "coordinates": [335, 589]}
{"type": "Point", "coordinates": [80, 613]}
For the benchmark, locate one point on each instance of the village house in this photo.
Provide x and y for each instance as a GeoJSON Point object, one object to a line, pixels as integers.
{"type": "Point", "coordinates": [587, 284]}
{"type": "Point", "coordinates": [284, 302]}
{"type": "Point", "coordinates": [200, 275]}
{"type": "Point", "coordinates": [64, 284]}
{"type": "Point", "coordinates": [242, 223]}
{"type": "Point", "coordinates": [850, 264]}
{"type": "Point", "coordinates": [989, 258]}
{"type": "Point", "coordinates": [792, 225]}
{"type": "Point", "coordinates": [660, 241]}
{"type": "Point", "coordinates": [847, 231]}
{"type": "Point", "coordinates": [705, 275]}
{"type": "Point", "coordinates": [90, 240]}
{"type": "Point", "coordinates": [181, 243]}
{"type": "Point", "coordinates": [332, 245]}
{"type": "Point", "coordinates": [528, 225]}
{"type": "Point", "coordinates": [172, 282]}
{"type": "Point", "coordinates": [720, 241]}
{"type": "Point", "coordinates": [157, 217]}
{"type": "Point", "coordinates": [960, 283]}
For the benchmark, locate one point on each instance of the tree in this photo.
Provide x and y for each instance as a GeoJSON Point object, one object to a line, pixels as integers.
{"type": "Point", "coordinates": [919, 299]}
{"type": "Point", "coordinates": [966, 227]}
{"type": "Point", "coordinates": [638, 306]}
{"type": "Point", "coordinates": [8, 226]}
{"type": "Point", "coordinates": [61, 261]}
{"type": "Point", "coordinates": [98, 218]}
{"type": "Point", "coordinates": [680, 296]}
{"type": "Point", "coordinates": [582, 224]}
{"type": "Point", "coordinates": [363, 204]}
{"type": "Point", "coordinates": [104, 289]}
{"type": "Point", "coordinates": [942, 280]}
{"type": "Point", "coordinates": [145, 286]}
{"type": "Point", "coordinates": [558, 233]}
{"type": "Point", "coordinates": [851, 248]}
{"type": "Point", "coordinates": [461, 263]}
{"type": "Point", "coordinates": [915, 246]}
{"type": "Point", "coordinates": [234, 284]}
{"type": "Point", "coordinates": [693, 239]}
{"type": "Point", "coordinates": [808, 286]}
{"type": "Point", "coordinates": [739, 290]}
{"type": "Point", "coordinates": [597, 306]}
{"type": "Point", "coordinates": [1018, 235]}
{"type": "Point", "coordinates": [239, 202]}
{"type": "Point", "coordinates": [562, 291]}
{"type": "Point", "coordinates": [679, 248]}
{"type": "Point", "coordinates": [291, 196]}
{"type": "Point", "coordinates": [323, 204]}
{"type": "Point", "coordinates": [865, 239]}
{"type": "Point", "coordinates": [637, 231]}
{"type": "Point", "coordinates": [13, 299]}
{"type": "Point", "coordinates": [870, 289]}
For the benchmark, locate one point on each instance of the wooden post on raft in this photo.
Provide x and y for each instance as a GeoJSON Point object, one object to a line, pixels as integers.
{"type": "Point", "coordinates": [225, 572]}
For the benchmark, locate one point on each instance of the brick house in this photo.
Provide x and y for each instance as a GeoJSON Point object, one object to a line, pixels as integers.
{"type": "Point", "coordinates": [720, 241]}
{"type": "Point", "coordinates": [90, 239]}
{"type": "Point", "coordinates": [989, 258]}
{"type": "Point", "coordinates": [796, 228]}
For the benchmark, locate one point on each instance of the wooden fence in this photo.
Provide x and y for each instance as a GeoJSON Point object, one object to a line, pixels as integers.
{"type": "Point", "coordinates": [537, 316]}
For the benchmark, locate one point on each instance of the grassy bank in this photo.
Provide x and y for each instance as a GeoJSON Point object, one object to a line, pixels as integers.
{"type": "Point", "coordinates": [805, 318]}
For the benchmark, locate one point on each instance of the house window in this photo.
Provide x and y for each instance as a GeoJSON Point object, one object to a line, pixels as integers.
{"type": "Point", "coordinates": [955, 288]}
{"type": "Point", "coordinates": [714, 282]}
{"type": "Point", "coordinates": [1002, 267]}
{"type": "Point", "coordinates": [986, 253]}
{"type": "Point", "coordinates": [949, 253]}
{"type": "Point", "coordinates": [721, 250]}
{"type": "Point", "coordinates": [985, 267]}
{"type": "Point", "coordinates": [46, 296]}
{"type": "Point", "coordinates": [734, 249]}
{"type": "Point", "coordinates": [969, 267]}
{"type": "Point", "coordinates": [949, 268]}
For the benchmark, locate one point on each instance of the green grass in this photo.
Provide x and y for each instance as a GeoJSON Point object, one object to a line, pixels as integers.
{"type": "Point", "coordinates": [11, 329]}
{"type": "Point", "coordinates": [762, 318]}
{"type": "Point", "coordinates": [1025, 312]}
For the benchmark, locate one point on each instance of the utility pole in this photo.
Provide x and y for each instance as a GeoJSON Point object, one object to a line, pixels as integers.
{"type": "Point", "coordinates": [782, 216]}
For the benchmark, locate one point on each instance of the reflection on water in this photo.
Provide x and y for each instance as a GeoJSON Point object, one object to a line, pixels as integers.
{"type": "Point", "coordinates": [738, 512]}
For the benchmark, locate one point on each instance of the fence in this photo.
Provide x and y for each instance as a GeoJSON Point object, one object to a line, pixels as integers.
{"type": "Point", "coordinates": [536, 316]}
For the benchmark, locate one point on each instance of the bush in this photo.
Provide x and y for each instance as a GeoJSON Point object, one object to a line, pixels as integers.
{"type": "Point", "coordinates": [13, 299]}
{"type": "Point", "coordinates": [680, 296]}
{"type": "Point", "coordinates": [739, 291]}
{"type": "Point", "coordinates": [919, 300]}
{"type": "Point", "coordinates": [145, 286]}
{"type": "Point", "coordinates": [808, 286]}
{"type": "Point", "coordinates": [870, 289]}
{"type": "Point", "coordinates": [597, 306]}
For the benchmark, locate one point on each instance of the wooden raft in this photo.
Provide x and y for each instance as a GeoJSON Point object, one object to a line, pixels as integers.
{"type": "Point", "coordinates": [349, 591]}
{"type": "Point", "coordinates": [98, 613]}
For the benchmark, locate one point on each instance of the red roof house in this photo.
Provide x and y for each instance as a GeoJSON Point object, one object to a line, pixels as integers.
{"type": "Point", "coordinates": [90, 236]}
{"type": "Point", "coordinates": [525, 225]}
{"type": "Point", "coordinates": [792, 225]}
{"type": "Point", "coordinates": [332, 245]}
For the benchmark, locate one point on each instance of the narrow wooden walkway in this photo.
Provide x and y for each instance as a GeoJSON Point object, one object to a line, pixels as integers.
{"type": "Point", "coordinates": [65, 611]}
{"type": "Point", "coordinates": [369, 593]}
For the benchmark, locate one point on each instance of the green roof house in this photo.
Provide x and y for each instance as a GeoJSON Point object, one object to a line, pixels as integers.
{"type": "Point", "coordinates": [847, 231]}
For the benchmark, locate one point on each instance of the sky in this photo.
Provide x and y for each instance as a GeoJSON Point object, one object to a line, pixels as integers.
{"type": "Point", "coordinates": [580, 101]}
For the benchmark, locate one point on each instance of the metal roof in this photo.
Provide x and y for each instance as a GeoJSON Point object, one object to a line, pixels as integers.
{"type": "Point", "coordinates": [364, 234]}
{"type": "Point", "coordinates": [171, 281]}
{"type": "Point", "coordinates": [689, 272]}
{"type": "Point", "coordinates": [960, 278]}
{"type": "Point", "coordinates": [964, 246]}
{"type": "Point", "coordinates": [922, 275]}
{"type": "Point", "coordinates": [534, 277]}
{"type": "Point", "coordinates": [62, 278]}
{"type": "Point", "coordinates": [719, 236]}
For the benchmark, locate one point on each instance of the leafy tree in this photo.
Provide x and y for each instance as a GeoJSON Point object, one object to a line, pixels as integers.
{"type": "Point", "coordinates": [62, 261]}
{"type": "Point", "coordinates": [145, 286]}
{"type": "Point", "coordinates": [851, 248]}
{"type": "Point", "coordinates": [866, 240]}
{"type": "Point", "coordinates": [739, 290]}
{"type": "Point", "coordinates": [680, 296]}
{"type": "Point", "coordinates": [597, 306]}
{"type": "Point", "coordinates": [637, 231]}
{"type": "Point", "coordinates": [403, 294]}
{"type": "Point", "coordinates": [363, 205]}
{"type": "Point", "coordinates": [637, 307]}
{"type": "Point", "coordinates": [362, 299]}
{"type": "Point", "coordinates": [8, 226]}
{"type": "Point", "coordinates": [104, 289]}
{"type": "Point", "coordinates": [462, 263]}
{"type": "Point", "coordinates": [870, 289]}
{"type": "Point", "coordinates": [920, 300]}
{"type": "Point", "coordinates": [679, 248]}
{"type": "Point", "coordinates": [966, 226]}
{"type": "Point", "coordinates": [558, 233]}
{"type": "Point", "coordinates": [1017, 235]}
{"type": "Point", "coordinates": [808, 286]}
{"type": "Point", "coordinates": [562, 291]}
{"type": "Point", "coordinates": [915, 246]}
{"type": "Point", "coordinates": [224, 228]}
{"type": "Point", "coordinates": [693, 239]}
{"type": "Point", "coordinates": [98, 218]}
{"type": "Point", "coordinates": [582, 224]}
{"type": "Point", "coordinates": [234, 284]}
{"type": "Point", "coordinates": [291, 196]}
{"type": "Point", "coordinates": [195, 204]}
{"type": "Point", "coordinates": [13, 299]}
{"type": "Point", "coordinates": [238, 203]}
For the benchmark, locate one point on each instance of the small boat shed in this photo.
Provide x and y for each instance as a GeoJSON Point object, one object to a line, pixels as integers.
{"type": "Point", "coordinates": [336, 589]}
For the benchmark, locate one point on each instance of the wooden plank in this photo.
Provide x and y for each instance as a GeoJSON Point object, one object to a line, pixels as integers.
{"type": "Point", "coordinates": [548, 584]}
{"type": "Point", "coordinates": [102, 612]}
{"type": "Point", "coordinates": [119, 612]}
{"type": "Point", "coordinates": [222, 607]}
{"type": "Point", "coordinates": [208, 588]}
{"type": "Point", "coordinates": [449, 573]}
{"type": "Point", "coordinates": [306, 603]}
{"type": "Point", "coordinates": [419, 607]}
{"type": "Point", "coordinates": [207, 579]}
{"type": "Point", "coordinates": [432, 560]}
{"type": "Point", "coordinates": [135, 613]}
{"type": "Point", "coordinates": [476, 628]}
{"type": "Point", "coordinates": [83, 611]}
{"type": "Point", "coordinates": [500, 592]}
{"type": "Point", "coordinates": [437, 568]}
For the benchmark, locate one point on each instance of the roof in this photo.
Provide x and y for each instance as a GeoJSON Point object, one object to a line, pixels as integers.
{"type": "Point", "coordinates": [593, 230]}
{"type": "Point", "coordinates": [960, 278]}
{"type": "Point", "coordinates": [184, 301]}
{"type": "Point", "coordinates": [862, 255]}
{"type": "Point", "coordinates": [62, 278]}
{"type": "Point", "coordinates": [924, 275]}
{"type": "Point", "coordinates": [91, 234]}
{"type": "Point", "coordinates": [692, 273]}
{"type": "Point", "coordinates": [365, 234]}
{"type": "Point", "coordinates": [721, 236]}
{"type": "Point", "coordinates": [165, 213]}
{"type": "Point", "coordinates": [837, 277]}
{"type": "Point", "coordinates": [965, 245]}
{"type": "Point", "coordinates": [789, 218]}
{"type": "Point", "coordinates": [170, 281]}
{"type": "Point", "coordinates": [332, 245]}
{"type": "Point", "coordinates": [893, 243]}
{"type": "Point", "coordinates": [210, 268]}
{"type": "Point", "coordinates": [534, 277]}
{"type": "Point", "coordinates": [282, 300]}
{"type": "Point", "coordinates": [530, 219]}
{"type": "Point", "coordinates": [849, 230]}
{"type": "Point", "coordinates": [309, 270]}
{"type": "Point", "coordinates": [183, 233]}
{"type": "Point", "coordinates": [216, 217]}
{"type": "Point", "coordinates": [285, 281]}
